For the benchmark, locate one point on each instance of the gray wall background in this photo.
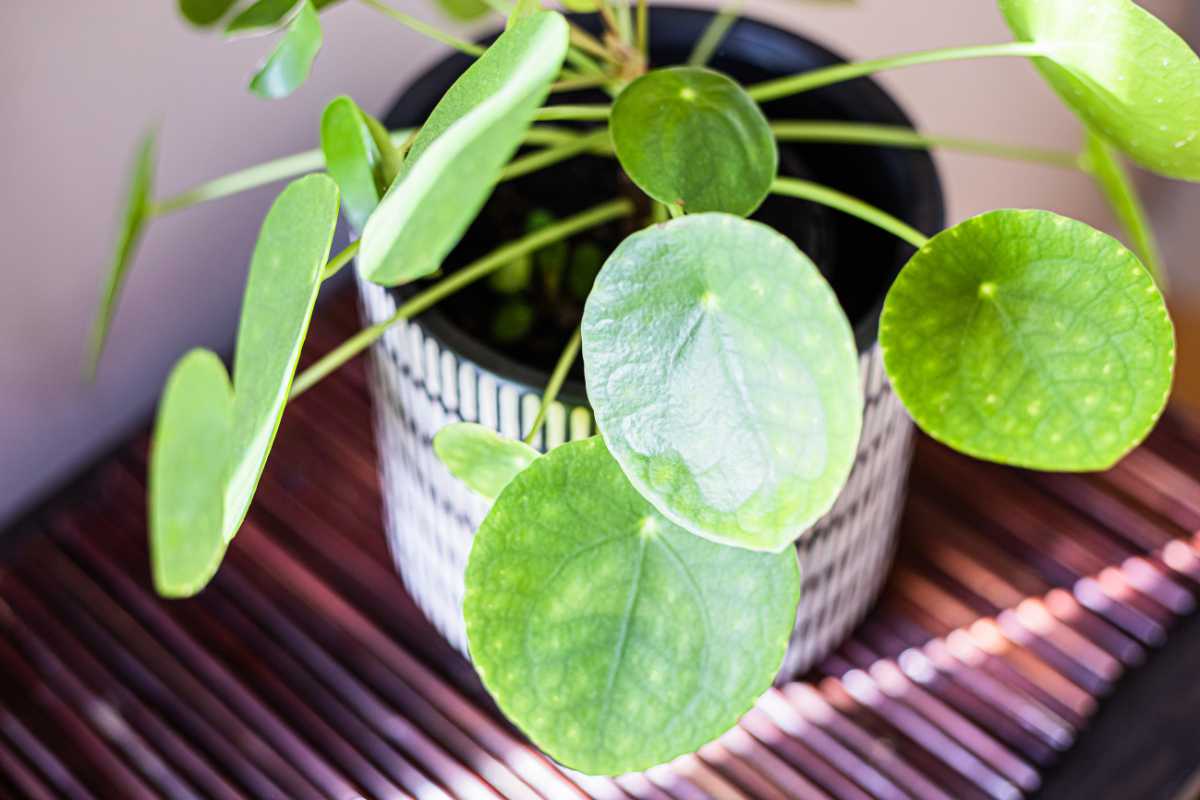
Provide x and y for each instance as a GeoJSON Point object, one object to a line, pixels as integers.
{"type": "Point", "coordinates": [80, 81]}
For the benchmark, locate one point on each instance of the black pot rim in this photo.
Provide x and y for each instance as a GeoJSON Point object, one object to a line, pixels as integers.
{"type": "Point", "coordinates": [927, 215]}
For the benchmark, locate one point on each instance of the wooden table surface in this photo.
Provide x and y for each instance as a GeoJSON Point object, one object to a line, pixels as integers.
{"type": "Point", "coordinates": [1034, 640]}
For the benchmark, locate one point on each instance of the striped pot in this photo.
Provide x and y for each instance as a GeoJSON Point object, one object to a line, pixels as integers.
{"type": "Point", "coordinates": [422, 383]}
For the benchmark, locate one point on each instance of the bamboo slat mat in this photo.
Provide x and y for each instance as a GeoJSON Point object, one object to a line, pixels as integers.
{"type": "Point", "coordinates": [304, 671]}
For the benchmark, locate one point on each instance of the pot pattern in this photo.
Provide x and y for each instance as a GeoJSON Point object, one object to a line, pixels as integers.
{"type": "Point", "coordinates": [420, 385]}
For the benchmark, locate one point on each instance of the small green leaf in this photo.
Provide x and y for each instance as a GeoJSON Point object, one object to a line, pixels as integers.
{"type": "Point", "coordinates": [353, 159]}
{"type": "Point", "coordinates": [136, 212]}
{"type": "Point", "coordinates": [288, 67]}
{"type": "Point", "coordinates": [1029, 339]}
{"type": "Point", "coordinates": [390, 159]}
{"type": "Point", "coordinates": [188, 470]}
{"type": "Point", "coordinates": [205, 12]}
{"type": "Point", "coordinates": [724, 377]}
{"type": "Point", "coordinates": [614, 639]}
{"type": "Point", "coordinates": [464, 10]}
{"type": "Point", "coordinates": [210, 445]}
{"type": "Point", "coordinates": [582, 6]}
{"type": "Point", "coordinates": [1124, 71]}
{"type": "Point", "coordinates": [694, 139]}
{"type": "Point", "coordinates": [262, 16]}
{"type": "Point", "coordinates": [481, 458]}
{"type": "Point", "coordinates": [456, 159]}
{"type": "Point", "coordinates": [1104, 164]}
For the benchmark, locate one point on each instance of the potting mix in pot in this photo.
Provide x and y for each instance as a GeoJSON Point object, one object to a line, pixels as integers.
{"type": "Point", "coordinates": [631, 595]}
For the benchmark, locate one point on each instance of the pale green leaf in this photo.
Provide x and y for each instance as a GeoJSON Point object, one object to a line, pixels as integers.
{"type": "Point", "coordinates": [481, 458]}
{"type": "Point", "coordinates": [135, 213]}
{"type": "Point", "coordinates": [353, 159]}
{"type": "Point", "coordinates": [188, 470]}
{"type": "Point", "coordinates": [1104, 164]}
{"type": "Point", "coordinates": [1029, 339]}
{"type": "Point", "coordinates": [724, 377]}
{"type": "Point", "coordinates": [1124, 71]}
{"type": "Point", "coordinates": [693, 138]}
{"type": "Point", "coordinates": [205, 12]}
{"type": "Point", "coordinates": [289, 65]}
{"type": "Point", "coordinates": [262, 16]}
{"type": "Point", "coordinates": [456, 160]}
{"type": "Point", "coordinates": [464, 10]}
{"type": "Point", "coordinates": [613, 638]}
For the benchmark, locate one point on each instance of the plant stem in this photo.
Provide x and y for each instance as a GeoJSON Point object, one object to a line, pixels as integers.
{"type": "Point", "coordinates": [424, 28]}
{"type": "Point", "coordinates": [643, 29]}
{"type": "Point", "coordinates": [557, 379]}
{"type": "Point", "coordinates": [570, 82]}
{"type": "Point", "coordinates": [422, 302]}
{"type": "Point", "coordinates": [900, 136]}
{"type": "Point", "coordinates": [826, 76]}
{"type": "Point", "coordinates": [553, 155]}
{"type": "Point", "coordinates": [577, 113]}
{"type": "Point", "coordinates": [340, 260]}
{"type": "Point", "coordinates": [807, 190]}
{"type": "Point", "coordinates": [714, 34]}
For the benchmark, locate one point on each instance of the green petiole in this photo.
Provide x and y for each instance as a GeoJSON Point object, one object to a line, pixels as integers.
{"type": "Point", "coordinates": [424, 28]}
{"type": "Point", "coordinates": [827, 76]}
{"type": "Point", "coordinates": [554, 154]}
{"type": "Point", "coordinates": [714, 34]}
{"type": "Point", "coordinates": [464, 277]}
{"type": "Point", "coordinates": [557, 379]}
{"type": "Point", "coordinates": [807, 190]}
{"type": "Point", "coordinates": [581, 113]}
{"type": "Point", "coordinates": [340, 260]}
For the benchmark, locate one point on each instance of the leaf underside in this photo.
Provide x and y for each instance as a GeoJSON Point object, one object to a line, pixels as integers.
{"type": "Point", "coordinates": [613, 638]}
{"type": "Point", "coordinates": [287, 68]}
{"type": "Point", "coordinates": [1029, 339]}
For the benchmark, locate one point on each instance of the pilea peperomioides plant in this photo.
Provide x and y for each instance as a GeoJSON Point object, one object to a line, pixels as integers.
{"type": "Point", "coordinates": [631, 595]}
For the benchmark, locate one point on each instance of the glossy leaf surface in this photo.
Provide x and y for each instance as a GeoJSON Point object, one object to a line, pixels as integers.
{"type": "Point", "coordinates": [188, 470]}
{"type": "Point", "coordinates": [205, 12]}
{"type": "Point", "coordinates": [262, 16]}
{"type": "Point", "coordinates": [724, 377]}
{"type": "Point", "coordinates": [135, 213]}
{"type": "Point", "coordinates": [210, 443]}
{"type": "Point", "coordinates": [1030, 339]}
{"type": "Point", "coordinates": [289, 65]}
{"type": "Point", "coordinates": [353, 159]}
{"type": "Point", "coordinates": [456, 160]}
{"type": "Point", "coordinates": [615, 639]}
{"type": "Point", "coordinates": [481, 458]}
{"type": "Point", "coordinates": [694, 138]}
{"type": "Point", "coordinates": [1104, 165]}
{"type": "Point", "coordinates": [1124, 71]}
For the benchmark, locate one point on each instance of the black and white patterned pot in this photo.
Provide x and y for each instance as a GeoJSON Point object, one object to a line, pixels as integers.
{"type": "Point", "coordinates": [429, 373]}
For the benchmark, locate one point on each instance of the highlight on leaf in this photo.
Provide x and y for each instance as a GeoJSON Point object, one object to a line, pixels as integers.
{"type": "Point", "coordinates": [724, 376]}
{"type": "Point", "coordinates": [481, 458]}
{"type": "Point", "coordinates": [1126, 73]}
{"type": "Point", "coordinates": [211, 445]}
{"type": "Point", "coordinates": [615, 639]}
{"type": "Point", "coordinates": [354, 158]}
{"type": "Point", "coordinates": [457, 158]}
{"type": "Point", "coordinates": [288, 67]}
{"type": "Point", "coordinates": [262, 16]}
{"type": "Point", "coordinates": [693, 139]}
{"type": "Point", "coordinates": [135, 214]}
{"type": "Point", "coordinates": [1029, 339]}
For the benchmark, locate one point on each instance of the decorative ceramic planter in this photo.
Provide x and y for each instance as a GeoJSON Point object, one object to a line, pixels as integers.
{"type": "Point", "coordinates": [430, 372]}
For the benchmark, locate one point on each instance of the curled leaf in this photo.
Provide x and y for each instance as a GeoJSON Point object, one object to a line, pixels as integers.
{"type": "Point", "coordinates": [262, 16]}
{"type": "Point", "coordinates": [289, 65]}
{"type": "Point", "coordinates": [1029, 339]}
{"type": "Point", "coordinates": [353, 158]}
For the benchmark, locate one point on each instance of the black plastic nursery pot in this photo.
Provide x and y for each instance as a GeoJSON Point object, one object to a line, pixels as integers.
{"type": "Point", "coordinates": [446, 366]}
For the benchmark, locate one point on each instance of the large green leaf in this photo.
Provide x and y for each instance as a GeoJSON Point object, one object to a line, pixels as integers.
{"type": "Point", "coordinates": [480, 457]}
{"type": "Point", "coordinates": [1029, 339]}
{"type": "Point", "coordinates": [1104, 164]}
{"type": "Point", "coordinates": [262, 16]}
{"type": "Point", "coordinates": [205, 12]}
{"type": "Point", "coordinates": [724, 377]}
{"type": "Point", "coordinates": [205, 470]}
{"type": "Point", "coordinates": [613, 638]}
{"type": "Point", "coordinates": [1124, 71]}
{"type": "Point", "coordinates": [693, 138]}
{"type": "Point", "coordinates": [289, 65]}
{"type": "Point", "coordinates": [188, 470]}
{"type": "Point", "coordinates": [135, 213]}
{"type": "Point", "coordinates": [353, 159]}
{"type": "Point", "coordinates": [456, 160]}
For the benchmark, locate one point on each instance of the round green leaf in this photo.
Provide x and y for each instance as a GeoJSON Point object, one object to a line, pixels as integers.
{"type": "Point", "coordinates": [188, 470]}
{"type": "Point", "coordinates": [288, 66]}
{"type": "Point", "coordinates": [1124, 71]}
{"type": "Point", "coordinates": [480, 457]}
{"type": "Point", "coordinates": [1029, 339]}
{"type": "Point", "coordinates": [139, 198]}
{"type": "Point", "coordinates": [457, 158]}
{"type": "Point", "coordinates": [693, 138]}
{"type": "Point", "coordinates": [614, 639]}
{"type": "Point", "coordinates": [724, 377]}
